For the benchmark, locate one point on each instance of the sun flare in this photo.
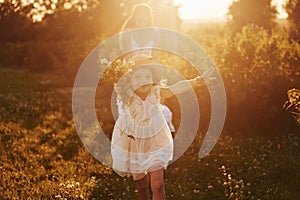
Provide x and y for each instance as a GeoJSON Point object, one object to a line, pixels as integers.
{"type": "Point", "coordinates": [203, 9]}
{"type": "Point", "coordinates": [214, 9]}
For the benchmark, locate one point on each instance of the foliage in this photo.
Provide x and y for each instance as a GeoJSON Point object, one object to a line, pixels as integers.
{"type": "Point", "coordinates": [258, 12]}
{"type": "Point", "coordinates": [36, 10]}
{"type": "Point", "coordinates": [292, 8]}
{"type": "Point", "coordinates": [255, 63]}
{"type": "Point", "coordinates": [58, 22]}
{"type": "Point", "coordinates": [61, 58]}
{"type": "Point", "coordinates": [62, 25]}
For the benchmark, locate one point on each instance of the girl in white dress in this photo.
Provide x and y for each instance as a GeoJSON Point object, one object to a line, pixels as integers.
{"type": "Point", "coordinates": [142, 143]}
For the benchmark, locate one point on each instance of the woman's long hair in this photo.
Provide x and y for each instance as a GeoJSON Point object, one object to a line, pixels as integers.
{"type": "Point", "coordinates": [138, 10]}
{"type": "Point", "coordinates": [141, 9]}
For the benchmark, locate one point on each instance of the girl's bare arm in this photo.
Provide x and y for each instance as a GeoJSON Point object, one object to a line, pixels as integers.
{"type": "Point", "coordinates": [184, 85]}
{"type": "Point", "coordinates": [181, 87]}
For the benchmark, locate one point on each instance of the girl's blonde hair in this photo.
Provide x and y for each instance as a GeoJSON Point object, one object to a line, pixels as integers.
{"type": "Point", "coordinates": [123, 87]}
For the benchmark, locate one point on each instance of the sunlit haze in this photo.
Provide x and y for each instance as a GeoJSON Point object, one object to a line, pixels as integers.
{"type": "Point", "coordinates": [214, 9]}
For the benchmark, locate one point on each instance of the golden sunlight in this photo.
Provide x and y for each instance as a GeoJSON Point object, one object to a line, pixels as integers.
{"type": "Point", "coordinates": [207, 9]}
{"type": "Point", "coordinates": [214, 9]}
{"type": "Point", "coordinates": [281, 12]}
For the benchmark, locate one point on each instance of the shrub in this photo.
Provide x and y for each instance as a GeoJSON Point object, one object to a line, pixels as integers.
{"type": "Point", "coordinates": [257, 66]}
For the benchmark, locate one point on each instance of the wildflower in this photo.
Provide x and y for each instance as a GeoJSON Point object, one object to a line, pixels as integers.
{"type": "Point", "coordinates": [104, 61]}
{"type": "Point", "coordinates": [196, 191]}
{"type": "Point", "coordinates": [210, 187]}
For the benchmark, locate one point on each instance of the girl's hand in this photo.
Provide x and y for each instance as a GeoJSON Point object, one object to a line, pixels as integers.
{"type": "Point", "coordinates": [198, 81]}
{"type": "Point", "coordinates": [183, 86]}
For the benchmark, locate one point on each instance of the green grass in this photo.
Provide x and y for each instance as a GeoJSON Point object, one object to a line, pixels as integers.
{"type": "Point", "coordinates": [42, 156]}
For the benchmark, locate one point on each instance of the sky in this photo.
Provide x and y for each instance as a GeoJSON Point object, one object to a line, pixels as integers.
{"type": "Point", "coordinates": [213, 9]}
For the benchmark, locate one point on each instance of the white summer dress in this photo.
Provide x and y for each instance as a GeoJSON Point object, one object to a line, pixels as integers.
{"type": "Point", "coordinates": [141, 139]}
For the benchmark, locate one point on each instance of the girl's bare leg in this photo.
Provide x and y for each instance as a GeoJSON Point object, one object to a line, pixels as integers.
{"type": "Point", "coordinates": [157, 184]}
{"type": "Point", "coordinates": [142, 184]}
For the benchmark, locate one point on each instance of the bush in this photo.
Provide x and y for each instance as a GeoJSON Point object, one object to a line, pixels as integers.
{"type": "Point", "coordinates": [63, 57]}
{"type": "Point", "coordinates": [258, 67]}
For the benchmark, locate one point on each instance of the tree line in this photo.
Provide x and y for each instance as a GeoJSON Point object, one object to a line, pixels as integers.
{"type": "Point", "coordinates": [62, 20]}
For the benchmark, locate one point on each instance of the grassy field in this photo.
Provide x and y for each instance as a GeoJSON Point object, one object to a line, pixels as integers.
{"type": "Point", "coordinates": [42, 156]}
